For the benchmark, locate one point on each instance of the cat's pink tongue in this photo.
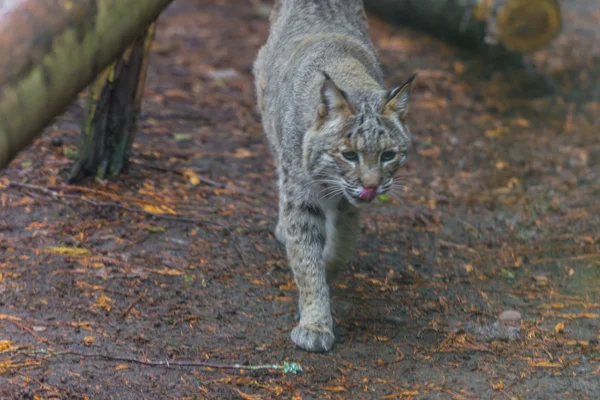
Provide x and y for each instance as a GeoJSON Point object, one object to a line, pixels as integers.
{"type": "Point", "coordinates": [368, 193]}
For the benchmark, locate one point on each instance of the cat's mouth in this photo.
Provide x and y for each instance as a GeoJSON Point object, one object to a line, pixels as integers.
{"type": "Point", "coordinates": [362, 196]}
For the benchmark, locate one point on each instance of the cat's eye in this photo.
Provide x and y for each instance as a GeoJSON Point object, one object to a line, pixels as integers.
{"type": "Point", "coordinates": [350, 155]}
{"type": "Point", "coordinates": [388, 156]}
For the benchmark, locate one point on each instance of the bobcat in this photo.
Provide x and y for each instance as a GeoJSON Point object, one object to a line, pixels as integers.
{"type": "Point", "coordinates": [338, 138]}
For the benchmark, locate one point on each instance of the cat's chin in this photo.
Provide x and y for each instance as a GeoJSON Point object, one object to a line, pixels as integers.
{"type": "Point", "coordinates": [358, 203]}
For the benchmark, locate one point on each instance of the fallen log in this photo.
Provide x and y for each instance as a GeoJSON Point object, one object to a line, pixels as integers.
{"type": "Point", "coordinates": [521, 26]}
{"type": "Point", "coordinates": [50, 50]}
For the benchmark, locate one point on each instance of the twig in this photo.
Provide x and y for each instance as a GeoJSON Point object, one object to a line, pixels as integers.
{"type": "Point", "coordinates": [286, 367]}
{"type": "Point", "coordinates": [131, 305]}
{"type": "Point", "coordinates": [98, 288]}
{"type": "Point", "coordinates": [192, 220]}
{"type": "Point", "coordinates": [207, 181]}
{"type": "Point", "coordinates": [16, 321]}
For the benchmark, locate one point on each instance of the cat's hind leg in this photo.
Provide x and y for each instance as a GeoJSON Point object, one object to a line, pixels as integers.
{"type": "Point", "coordinates": [342, 232]}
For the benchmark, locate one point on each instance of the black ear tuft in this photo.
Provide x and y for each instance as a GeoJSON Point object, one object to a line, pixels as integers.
{"type": "Point", "coordinates": [397, 99]}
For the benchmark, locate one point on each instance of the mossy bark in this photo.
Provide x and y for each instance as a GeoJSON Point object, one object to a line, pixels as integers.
{"type": "Point", "coordinates": [50, 50]}
{"type": "Point", "coordinates": [112, 112]}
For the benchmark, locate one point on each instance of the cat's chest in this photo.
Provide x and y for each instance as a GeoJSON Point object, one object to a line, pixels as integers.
{"type": "Point", "coordinates": [331, 211]}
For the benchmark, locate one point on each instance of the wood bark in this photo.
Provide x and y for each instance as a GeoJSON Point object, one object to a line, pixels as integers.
{"type": "Point", "coordinates": [112, 112]}
{"type": "Point", "coordinates": [521, 26]}
{"type": "Point", "coordinates": [50, 50]}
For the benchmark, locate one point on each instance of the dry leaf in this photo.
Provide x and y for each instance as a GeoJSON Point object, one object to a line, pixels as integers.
{"type": "Point", "coordinates": [560, 327]}
{"type": "Point", "coordinates": [4, 345]}
{"type": "Point", "coordinates": [247, 396]}
{"type": "Point", "coordinates": [459, 68]}
{"type": "Point", "coordinates": [242, 153]}
{"type": "Point", "coordinates": [546, 364]}
{"type": "Point", "coordinates": [191, 176]}
{"type": "Point", "coordinates": [498, 386]}
{"type": "Point", "coordinates": [158, 209]}
{"type": "Point", "coordinates": [89, 340]}
{"type": "Point", "coordinates": [497, 132]}
{"type": "Point", "coordinates": [121, 366]}
{"type": "Point", "coordinates": [430, 152]}
{"type": "Point", "coordinates": [258, 282]}
{"type": "Point", "coordinates": [103, 302]}
{"type": "Point", "coordinates": [166, 271]}
{"type": "Point", "coordinates": [335, 389]}
{"type": "Point", "coordinates": [70, 251]}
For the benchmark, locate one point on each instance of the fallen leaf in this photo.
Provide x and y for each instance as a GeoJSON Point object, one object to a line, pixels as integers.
{"type": "Point", "coordinates": [459, 68]}
{"type": "Point", "coordinates": [103, 302]}
{"type": "Point", "coordinates": [181, 137]}
{"type": "Point", "coordinates": [497, 132]}
{"type": "Point", "coordinates": [545, 364]}
{"type": "Point", "coordinates": [158, 209]}
{"type": "Point", "coordinates": [429, 152]}
{"type": "Point", "coordinates": [335, 389]}
{"type": "Point", "coordinates": [560, 327]}
{"type": "Point", "coordinates": [498, 386]}
{"type": "Point", "coordinates": [70, 251]}
{"type": "Point", "coordinates": [121, 366]}
{"type": "Point", "coordinates": [89, 340]}
{"type": "Point", "coordinates": [4, 345]}
{"type": "Point", "coordinates": [247, 396]}
{"type": "Point", "coordinates": [192, 177]}
{"type": "Point", "coordinates": [242, 153]}
{"type": "Point", "coordinates": [166, 271]}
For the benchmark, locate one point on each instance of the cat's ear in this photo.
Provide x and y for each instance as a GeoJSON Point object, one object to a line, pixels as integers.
{"type": "Point", "coordinates": [397, 100]}
{"type": "Point", "coordinates": [333, 100]}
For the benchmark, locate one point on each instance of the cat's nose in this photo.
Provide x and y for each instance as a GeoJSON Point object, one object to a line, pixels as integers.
{"type": "Point", "coordinates": [368, 193]}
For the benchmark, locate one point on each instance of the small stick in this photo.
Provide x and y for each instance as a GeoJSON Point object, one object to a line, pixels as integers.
{"type": "Point", "coordinates": [192, 220]}
{"type": "Point", "coordinates": [15, 321]}
{"type": "Point", "coordinates": [131, 305]}
{"type": "Point", "coordinates": [286, 367]}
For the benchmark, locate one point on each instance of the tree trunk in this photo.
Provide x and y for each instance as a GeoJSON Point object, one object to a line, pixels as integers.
{"type": "Point", "coordinates": [50, 50]}
{"type": "Point", "coordinates": [515, 25]}
{"type": "Point", "coordinates": [112, 112]}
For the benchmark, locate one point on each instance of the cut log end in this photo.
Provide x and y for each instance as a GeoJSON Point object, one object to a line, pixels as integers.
{"type": "Point", "coordinates": [528, 25]}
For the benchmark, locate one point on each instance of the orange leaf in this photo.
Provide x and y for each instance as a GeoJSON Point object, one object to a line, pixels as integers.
{"type": "Point", "coordinates": [498, 386]}
{"type": "Point", "coordinates": [158, 209]}
{"type": "Point", "coordinates": [4, 345]}
{"type": "Point", "coordinates": [247, 396]}
{"type": "Point", "coordinates": [560, 327]}
{"type": "Point", "coordinates": [430, 152]}
{"type": "Point", "coordinates": [335, 389]}
{"type": "Point", "coordinates": [121, 366]}
{"type": "Point", "coordinates": [89, 340]}
{"type": "Point", "coordinates": [166, 271]}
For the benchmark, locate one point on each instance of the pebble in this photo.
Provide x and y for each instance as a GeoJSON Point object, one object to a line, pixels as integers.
{"type": "Point", "coordinates": [510, 315]}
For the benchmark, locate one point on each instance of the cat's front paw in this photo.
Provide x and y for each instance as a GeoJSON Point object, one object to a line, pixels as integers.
{"type": "Point", "coordinates": [314, 340]}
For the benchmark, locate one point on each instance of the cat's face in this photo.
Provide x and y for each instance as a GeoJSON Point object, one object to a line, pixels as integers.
{"type": "Point", "coordinates": [356, 150]}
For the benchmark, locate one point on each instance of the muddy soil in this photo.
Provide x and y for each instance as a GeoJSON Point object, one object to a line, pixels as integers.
{"type": "Point", "coordinates": [175, 260]}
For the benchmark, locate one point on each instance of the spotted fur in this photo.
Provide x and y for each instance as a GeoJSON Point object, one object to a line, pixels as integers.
{"type": "Point", "coordinates": [322, 101]}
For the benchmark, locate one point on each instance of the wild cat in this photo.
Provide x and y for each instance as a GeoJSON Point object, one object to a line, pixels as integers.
{"type": "Point", "coordinates": [338, 138]}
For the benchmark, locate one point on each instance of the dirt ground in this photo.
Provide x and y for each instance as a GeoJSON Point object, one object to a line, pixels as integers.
{"type": "Point", "coordinates": [176, 260]}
